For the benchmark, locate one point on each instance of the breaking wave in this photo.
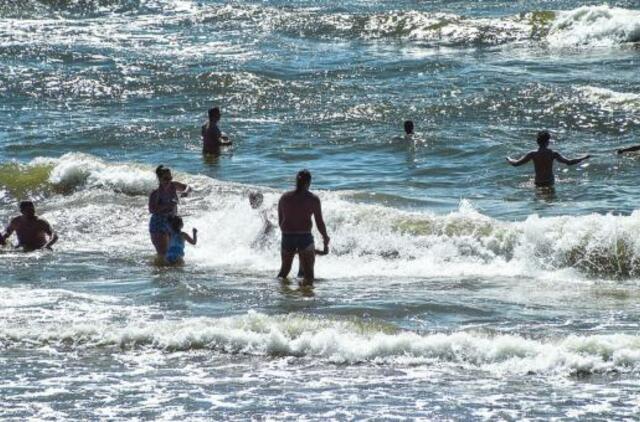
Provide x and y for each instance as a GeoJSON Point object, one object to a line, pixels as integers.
{"type": "Point", "coordinates": [341, 342]}
{"type": "Point", "coordinates": [383, 241]}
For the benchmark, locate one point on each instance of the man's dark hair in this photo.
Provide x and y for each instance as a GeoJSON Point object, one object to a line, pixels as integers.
{"type": "Point", "coordinates": [408, 127]}
{"type": "Point", "coordinates": [26, 204]}
{"type": "Point", "coordinates": [303, 178]}
{"type": "Point", "coordinates": [213, 112]}
{"type": "Point", "coordinates": [543, 138]}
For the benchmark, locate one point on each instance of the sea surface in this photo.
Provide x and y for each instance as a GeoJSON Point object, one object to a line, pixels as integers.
{"type": "Point", "coordinates": [453, 291]}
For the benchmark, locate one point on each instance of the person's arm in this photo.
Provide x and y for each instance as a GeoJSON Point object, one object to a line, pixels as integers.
{"type": "Point", "coordinates": [193, 240]}
{"type": "Point", "coordinates": [569, 162]}
{"type": "Point", "coordinates": [317, 215]}
{"type": "Point", "coordinates": [629, 149]}
{"type": "Point", "coordinates": [8, 232]}
{"type": "Point", "coordinates": [525, 159]}
{"type": "Point", "coordinates": [181, 188]}
{"type": "Point", "coordinates": [280, 213]}
{"type": "Point", "coordinates": [53, 236]}
{"type": "Point", "coordinates": [324, 250]}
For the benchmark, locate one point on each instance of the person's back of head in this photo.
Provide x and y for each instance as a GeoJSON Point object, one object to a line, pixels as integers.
{"type": "Point", "coordinates": [176, 223]}
{"type": "Point", "coordinates": [27, 208]}
{"type": "Point", "coordinates": [214, 114]}
{"type": "Point", "coordinates": [303, 180]}
{"type": "Point", "coordinates": [544, 137]}
{"type": "Point", "coordinates": [408, 127]}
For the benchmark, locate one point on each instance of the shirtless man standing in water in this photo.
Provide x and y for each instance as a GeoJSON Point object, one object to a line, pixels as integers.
{"type": "Point", "coordinates": [33, 232]}
{"type": "Point", "coordinates": [294, 217]}
{"type": "Point", "coordinates": [212, 137]}
{"type": "Point", "coordinates": [543, 160]}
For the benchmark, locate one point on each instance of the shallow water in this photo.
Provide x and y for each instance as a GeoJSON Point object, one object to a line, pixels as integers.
{"type": "Point", "coordinates": [453, 290]}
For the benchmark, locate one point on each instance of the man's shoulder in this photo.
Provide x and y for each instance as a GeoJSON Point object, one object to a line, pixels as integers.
{"type": "Point", "coordinates": [15, 221]}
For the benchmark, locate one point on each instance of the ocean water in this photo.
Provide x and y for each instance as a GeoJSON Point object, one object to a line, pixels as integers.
{"type": "Point", "coordinates": [453, 290]}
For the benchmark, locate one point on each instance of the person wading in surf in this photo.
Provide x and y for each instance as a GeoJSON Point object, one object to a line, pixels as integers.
{"type": "Point", "coordinates": [295, 209]}
{"type": "Point", "coordinates": [33, 232]}
{"type": "Point", "coordinates": [543, 159]}
{"type": "Point", "coordinates": [212, 137]}
{"type": "Point", "coordinates": [163, 204]}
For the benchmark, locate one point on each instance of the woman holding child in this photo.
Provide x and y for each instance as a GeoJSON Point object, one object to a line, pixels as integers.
{"type": "Point", "coordinates": [163, 205]}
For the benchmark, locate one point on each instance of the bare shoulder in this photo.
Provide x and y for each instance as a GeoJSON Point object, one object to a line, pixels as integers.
{"type": "Point", "coordinates": [15, 221]}
{"type": "Point", "coordinates": [44, 224]}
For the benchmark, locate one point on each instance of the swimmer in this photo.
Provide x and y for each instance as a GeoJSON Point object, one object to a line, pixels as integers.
{"type": "Point", "coordinates": [175, 252]}
{"type": "Point", "coordinates": [212, 137]}
{"type": "Point", "coordinates": [255, 200]}
{"type": "Point", "coordinates": [543, 160]}
{"type": "Point", "coordinates": [295, 210]}
{"type": "Point", "coordinates": [33, 232]}
{"type": "Point", "coordinates": [408, 127]}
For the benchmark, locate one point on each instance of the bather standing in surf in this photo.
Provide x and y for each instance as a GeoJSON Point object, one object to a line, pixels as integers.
{"type": "Point", "coordinates": [543, 159]}
{"type": "Point", "coordinates": [295, 209]}
{"type": "Point", "coordinates": [163, 204]}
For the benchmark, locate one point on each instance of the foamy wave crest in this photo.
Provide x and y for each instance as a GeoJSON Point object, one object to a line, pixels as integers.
{"type": "Point", "coordinates": [75, 170]}
{"type": "Point", "coordinates": [610, 100]}
{"type": "Point", "coordinates": [595, 26]}
{"type": "Point", "coordinates": [346, 342]}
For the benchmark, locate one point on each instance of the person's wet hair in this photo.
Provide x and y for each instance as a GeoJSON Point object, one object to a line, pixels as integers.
{"type": "Point", "coordinates": [543, 138]}
{"type": "Point", "coordinates": [214, 112]}
{"type": "Point", "coordinates": [255, 199]}
{"type": "Point", "coordinates": [408, 127]}
{"type": "Point", "coordinates": [162, 172]}
{"type": "Point", "coordinates": [303, 179]}
{"type": "Point", "coordinates": [26, 205]}
{"type": "Point", "coordinates": [176, 223]}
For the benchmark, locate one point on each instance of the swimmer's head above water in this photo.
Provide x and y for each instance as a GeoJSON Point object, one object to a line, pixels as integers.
{"type": "Point", "coordinates": [214, 114]}
{"type": "Point", "coordinates": [408, 127]}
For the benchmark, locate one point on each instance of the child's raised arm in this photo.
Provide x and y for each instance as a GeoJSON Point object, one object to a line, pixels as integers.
{"type": "Point", "coordinates": [193, 240]}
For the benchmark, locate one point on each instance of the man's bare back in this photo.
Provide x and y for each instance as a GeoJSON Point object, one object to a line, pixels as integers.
{"type": "Point", "coordinates": [33, 232]}
{"type": "Point", "coordinates": [543, 159]}
{"type": "Point", "coordinates": [295, 210]}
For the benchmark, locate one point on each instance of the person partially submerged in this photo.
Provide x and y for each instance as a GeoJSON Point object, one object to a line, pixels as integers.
{"type": "Point", "coordinates": [175, 251]}
{"type": "Point", "coordinates": [295, 210]}
{"type": "Point", "coordinates": [543, 159]}
{"type": "Point", "coordinates": [212, 137]}
{"type": "Point", "coordinates": [33, 232]}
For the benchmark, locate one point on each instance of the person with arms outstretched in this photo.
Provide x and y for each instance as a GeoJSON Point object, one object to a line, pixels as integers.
{"type": "Point", "coordinates": [543, 159]}
{"type": "Point", "coordinates": [295, 210]}
{"type": "Point", "coordinates": [33, 232]}
{"type": "Point", "coordinates": [212, 137]}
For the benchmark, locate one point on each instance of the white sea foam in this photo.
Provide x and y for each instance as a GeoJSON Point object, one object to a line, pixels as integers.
{"type": "Point", "coordinates": [598, 26]}
{"type": "Point", "coordinates": [343, 342]}
{"type": "Point", "coordinates": [610, 100]}
{"type": "Point", "coordinates": [367, 240]}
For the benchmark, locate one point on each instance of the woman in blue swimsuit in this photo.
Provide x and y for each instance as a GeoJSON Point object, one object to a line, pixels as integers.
{"type": "Point", "coordinates": [163, 204]}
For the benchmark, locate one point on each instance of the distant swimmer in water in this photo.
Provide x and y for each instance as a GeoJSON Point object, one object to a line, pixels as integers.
{"type": "Point", "coordinates": [212, 137]}
{"type": "Point", "coordinates": [33, 232]}
{"type": "Point", "coordinates": [255, 200]}
{"type": "Point", "coordinates": [295, 209]}
{"type": "Point", "coordinates": [543, 160]}
{"type": "Point", "coordinates": [163, 204]}
{"type": "Point", "coordinates": [629, 149]}
{"type": "Point", "coordinates": [175, 251]}
{"type": "Point", "coordinates": [408, 127]}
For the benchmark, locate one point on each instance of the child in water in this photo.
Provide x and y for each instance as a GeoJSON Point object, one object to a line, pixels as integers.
{"type": "Point", "coordinates": [175, 252]}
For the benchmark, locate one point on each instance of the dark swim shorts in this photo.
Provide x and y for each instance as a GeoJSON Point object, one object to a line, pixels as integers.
{"type": "Point", "coordinates": [296, 242]}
